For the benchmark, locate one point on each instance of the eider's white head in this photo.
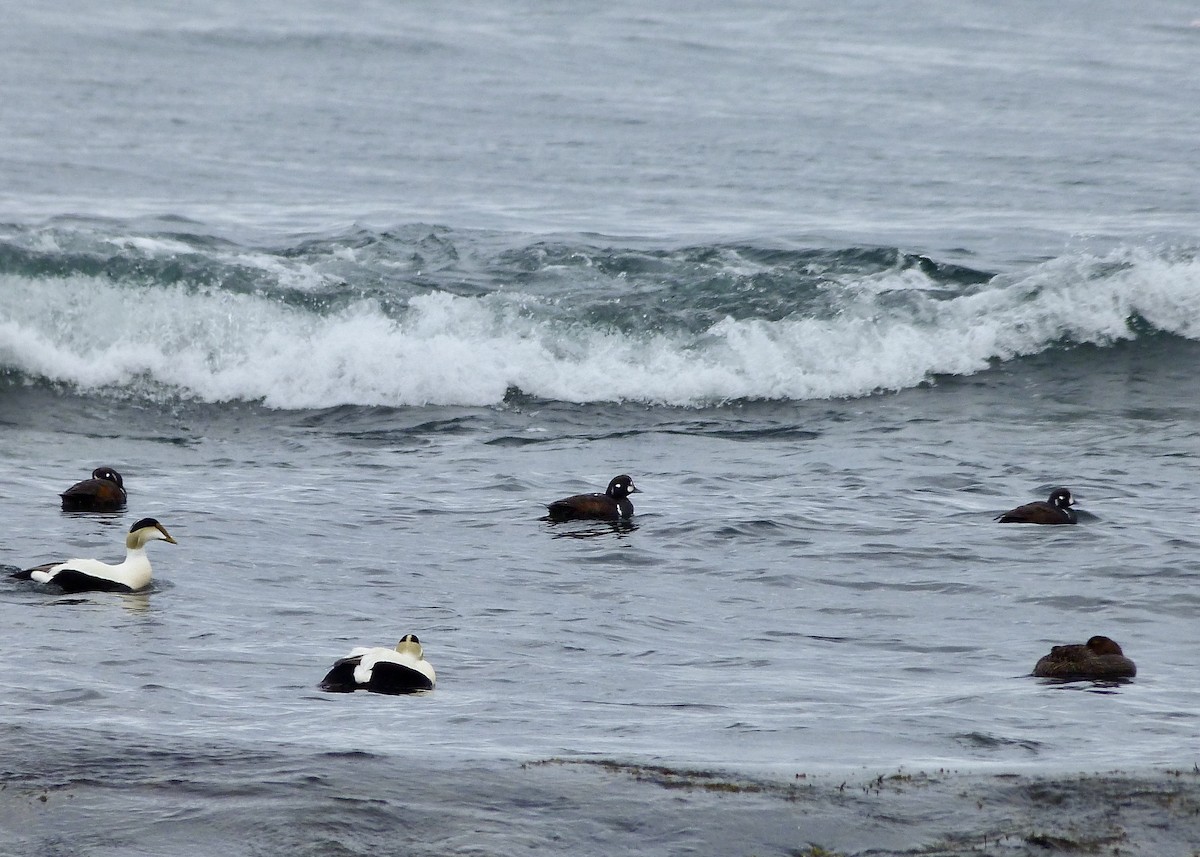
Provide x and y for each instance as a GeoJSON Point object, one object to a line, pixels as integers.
{"type": "Point", "coordinates": [410, 645]}
{"type": "Point", "coordinates": [146, 530]}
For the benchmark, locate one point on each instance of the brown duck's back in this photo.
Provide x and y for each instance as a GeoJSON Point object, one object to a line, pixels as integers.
{"type": "Point", "coordinates": [93, 495]}
{"type": "Point", "coordinates": [1099, 659]}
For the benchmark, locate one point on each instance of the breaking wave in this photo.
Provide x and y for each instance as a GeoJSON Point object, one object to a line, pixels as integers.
{"type": "Point", "coordinates": [423, 315]}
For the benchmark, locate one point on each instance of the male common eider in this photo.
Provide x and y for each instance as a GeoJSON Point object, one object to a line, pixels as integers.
{"type": "Point", "coordinates": [379, 670]}
{"type": "Point", "coordinates": [612, 505]}
{"type": "Point", "coordinates": [104, 492]}
{"type": "Point", "coordinates": [85, 575]}
{"type": "Point", "coordinates": [1099, 659]}
{"type": "Point", "coordinates": [1055, 511]}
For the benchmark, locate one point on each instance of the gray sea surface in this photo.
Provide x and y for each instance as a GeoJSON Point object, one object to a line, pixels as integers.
{"type": "Point", "coordinates": [347, 294]}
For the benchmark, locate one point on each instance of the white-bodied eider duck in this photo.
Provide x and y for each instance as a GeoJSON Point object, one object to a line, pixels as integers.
{"type": "Point", "coordinates": [612, 505]}
{"type": "Point", "coordinates": [1056, 510]}
{"type": "Point", "coordinates": [379, 670]}
{"type": "Point", "coordinates": [104, 492]}
{"type": "Point", "coordinates": [88, 575]}
{"type": "Point", "coordinates": [1099, 659]}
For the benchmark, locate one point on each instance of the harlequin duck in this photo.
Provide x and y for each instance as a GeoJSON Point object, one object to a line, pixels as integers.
{"type": "Point", "coordinates": [379, 670]}
{"type": "Point", "coordinates": [1099, 659]}
{"type": "Point", "coordinates": [612, 505]}
{"type": "Point", "coordinates": [104, 492]}
{"type": "Point", "coordinates": [1057, 510]}
{"type": "Point", "coordinates": [84, 575]}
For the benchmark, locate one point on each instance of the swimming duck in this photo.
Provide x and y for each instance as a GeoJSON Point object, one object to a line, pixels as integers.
{"type": "Point", "coordinates": [379, 670]}
{"type": "Point", "coordinates": [85, 575]}
{"type": "Point", "coordinates": [104, 492]}
{"type": "Point", "coordinates": [1099, 659]}
{"type": "Point", "coordinates": [1056, 510]}
{"type": "Point", "coordinates": [612, 505]}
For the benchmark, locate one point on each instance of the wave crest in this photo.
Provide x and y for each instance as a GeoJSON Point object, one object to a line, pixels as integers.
{"type": "Point", "coordinates": [849, 332]}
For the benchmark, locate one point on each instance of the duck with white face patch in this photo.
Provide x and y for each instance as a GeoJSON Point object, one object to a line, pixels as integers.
{"type": "Point", "coordinates": [613, 505]}
{"type": "Point", "coordinates": [104, 492]}
{"type": "Point", "coordinates": [88, 575]}
{"type": "Point", "coordinates": [1056, 510]}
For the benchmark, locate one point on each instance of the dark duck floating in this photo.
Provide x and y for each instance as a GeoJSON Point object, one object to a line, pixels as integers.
{"type": "Point", "coordinates": [1056, 510]}
{"type": "Point", "coordinates": [92, 575]}
{"type": "Point", "coordinates": [104, 492]}
{"type": "Point", "coordinates": [379, 670]}
{"type": "Point", "coordinates": [1099, 659]}
{"type": "Point", "coordinates": [612, 505]}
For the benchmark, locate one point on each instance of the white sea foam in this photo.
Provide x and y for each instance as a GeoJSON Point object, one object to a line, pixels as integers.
{"type": "Point", "coordinates": [215, 345]}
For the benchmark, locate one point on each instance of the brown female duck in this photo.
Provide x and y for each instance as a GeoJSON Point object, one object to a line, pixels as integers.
{"type": "Point", "coordinates": [104, 492]}
{"type": "Point", "coordinates": [1099, 659]}
{"type": "Point", "coordinates": [612, 505]}
{"type": "Point", "coordinates": [1056, 510]}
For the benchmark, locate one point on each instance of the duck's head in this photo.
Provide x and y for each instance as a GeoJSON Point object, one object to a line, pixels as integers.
{"type": "Point", "coordinates": [1061, 498]}
{"type": "Point", "coordinates": [409, 644]}
{"type": "Point", "coordinates": [146, 530]}
{"type": "Point", "coordinates": [1100, 645]}
{"type": "Point", "coordinates": [108, 475]}
{"type": "Point", "coordinates": [622, 486]}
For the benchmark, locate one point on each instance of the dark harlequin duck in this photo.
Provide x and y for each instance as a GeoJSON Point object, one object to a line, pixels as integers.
{"type": "Point", "coordinates": [104, 492]}
{"type": "Point", "coordinates": [1057, 510]}
{"type": "Point", "coordinates": [1099, 659]}
{"type": "Point", "coordinates": [379, 670]}
{"type": "Point", "coordinates": [89, 575]}
{"type": "Point", "coordinates": [612, 505]}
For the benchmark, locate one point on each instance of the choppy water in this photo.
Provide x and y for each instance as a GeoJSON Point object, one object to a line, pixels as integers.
{"type": "Point", "coordinates": [346, 295]}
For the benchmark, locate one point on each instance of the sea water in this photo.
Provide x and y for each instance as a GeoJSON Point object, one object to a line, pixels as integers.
{"type": "Point", "coordinates": [348, 294]}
